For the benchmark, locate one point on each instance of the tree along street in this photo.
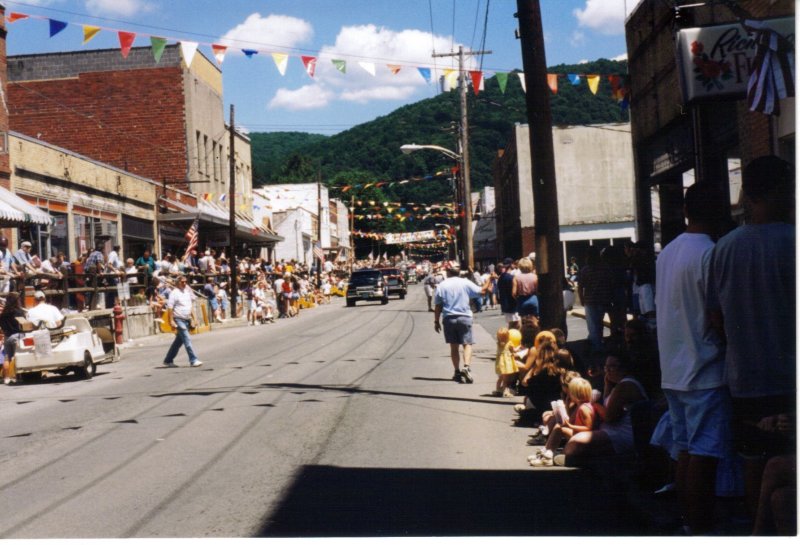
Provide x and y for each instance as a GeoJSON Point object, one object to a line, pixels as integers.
{"type": "Point", "coordinates": [341, 422]}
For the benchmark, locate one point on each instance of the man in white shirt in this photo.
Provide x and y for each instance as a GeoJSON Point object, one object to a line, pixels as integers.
{"type": "Point", "coordinates": [44, 312]}
{"type": "Point", "coordinates": [180, 309]}
{"type": "Point", "coordinates": [693, 360]}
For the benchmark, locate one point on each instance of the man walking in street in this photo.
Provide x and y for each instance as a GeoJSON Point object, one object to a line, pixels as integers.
{"type": "Point", "coordinates": [180, 309]}
{"type": "Point", "coordinates": [692, 360]}
{"type": "Point", "coordinates": [431, 281]}
{"type": "Point", "coordinates": [452, 301]}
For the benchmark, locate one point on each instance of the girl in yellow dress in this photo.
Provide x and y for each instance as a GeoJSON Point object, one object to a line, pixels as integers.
{"type": "Point", "coordinates": [504, 364]}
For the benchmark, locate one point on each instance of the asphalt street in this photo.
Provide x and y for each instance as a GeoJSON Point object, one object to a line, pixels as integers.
{"type": "Point", "coordinates": [341, 422]}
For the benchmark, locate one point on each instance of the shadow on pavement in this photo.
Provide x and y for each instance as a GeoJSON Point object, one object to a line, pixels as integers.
{"type": "Point", "coordinates": [327, 501]}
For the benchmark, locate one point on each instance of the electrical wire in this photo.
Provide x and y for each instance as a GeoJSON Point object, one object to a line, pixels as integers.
{"type": "Point", "coordinates": [483, 39]}
{"type": "Point", "coordinates": [475, 25]}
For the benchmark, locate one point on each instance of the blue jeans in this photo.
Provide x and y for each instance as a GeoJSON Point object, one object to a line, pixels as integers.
{"type": "Point", "coordinates": [181, 338]}
{"type": "Point", "coordinates": [594, 323]}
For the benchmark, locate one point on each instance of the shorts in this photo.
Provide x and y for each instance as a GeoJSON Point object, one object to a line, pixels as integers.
{"type": "Point", "coordinates": [252, 304]}
{"type": "Point", "coordinates": [429, 291]}
{"type": "Point", "coordinates": [458, 330]}
{"type": "Point", "coordinates": [647, 300]}
{"type": "Point", "coordinates": [214, 303]}
{"type": "Point", "coordinates": [511, 317]}
{"type": "Point", "coordinates": [749, 439]}
{"type": "Point", "coordinates": [701, 421]}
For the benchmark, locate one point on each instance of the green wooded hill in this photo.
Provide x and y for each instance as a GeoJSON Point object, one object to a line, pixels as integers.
{"type": "Point", "coordinates": [370, 152]}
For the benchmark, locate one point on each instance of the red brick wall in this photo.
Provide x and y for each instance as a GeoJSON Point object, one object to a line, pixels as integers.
{"type": "Point", "coordinates": [136, 124]}
{"type": "Point", "coordinates": [528, 241]}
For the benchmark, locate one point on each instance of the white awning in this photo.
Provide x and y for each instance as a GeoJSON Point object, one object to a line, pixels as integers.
{"type": "Point", "coordinates": [14, 209]}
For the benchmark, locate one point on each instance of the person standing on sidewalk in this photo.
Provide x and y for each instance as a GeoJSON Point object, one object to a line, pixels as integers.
{"type": "Point", "coordinates": [452, 302]}
{"type": "Point", "coordinates": [693, 360]}
{"type": "Point", "coordinates": [180, 309]}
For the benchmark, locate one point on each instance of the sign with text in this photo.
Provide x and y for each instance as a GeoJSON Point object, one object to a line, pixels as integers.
{"type": "Point", "coordinates": [404, 238]}
{"type": "Point", "coordinates": [716, 61]}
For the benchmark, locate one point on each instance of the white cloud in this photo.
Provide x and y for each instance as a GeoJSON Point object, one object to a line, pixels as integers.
{"type": "Point", "coordinates": [307, 97]}
{"type": "Point", "coordinates": [605, 16]}
{"type": "Point", "coordinates": [583, 61]}
{"type": "Point", "coordinates": [273, 33]}
{"type": "Point", "coordinates": [388, 92]}
{"type": "Point", "coordinates": [623, 57]}
{"type": "Point", "coordinates": [126, 8]}
{"type": "Point", "coordinates": [578, 38]}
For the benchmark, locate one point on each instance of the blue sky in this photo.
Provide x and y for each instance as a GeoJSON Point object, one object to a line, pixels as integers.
{"type": "Point", "coordinates": [378, 32]}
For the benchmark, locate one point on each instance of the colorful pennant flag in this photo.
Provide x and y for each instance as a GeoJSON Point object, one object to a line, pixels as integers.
{"type": "Point", "coordinates": [450, 76]}
{"type": "Point", "coordinates": [249, 53]}
{"type": "Point", "coordinates": [477, 77]}
{"type": "Point", "coordinates": [126, 42]}
{"type": "Point", "coordinates": [219, 52]}
{"type": "Point", "coordinates": [502, 81]}
{"type": "Point", "coordinates": [157, 46]}
{"type": "Point", "coordinates": [522, 81]}
{"type": "Point", "coordinates": [188, 49]}
{"type": "Point", "coordinates": [574, 79]}
{"type": "Point", "coordinates": [394, 68]}
{"type": "Point", "coordinates": [89, 32]}
{"type": "Point", "coordinates": [340, 65]}
{"type": "Point", "coordinates": [616, 91]}
{"type": "Point", "coordinates": [552, 82]}
{"type": "Point", "coordinates": [310, 63]}
{"type": "Point", "coordinates": [16, 16]}
{"type": "Point", "coordinates": [368, 66]}
{"type": "Point", "coordinates": [56, 27]}
{"type": "Point", "coordinates": [425, 73]}
{"type": "Point", "coordinates": [281, 60]}
{"type": "Point", "coordinates": [593, 81]}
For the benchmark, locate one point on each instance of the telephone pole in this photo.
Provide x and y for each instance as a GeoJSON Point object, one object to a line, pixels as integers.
{"type": "Point", "coordinates": [232, 227]}
{"type": "Point", "coordinates": [319, 224]}
{"type": "Point", "coordinates": [466, 185]}
{"type": "Point", "coordinates": [549, 262]}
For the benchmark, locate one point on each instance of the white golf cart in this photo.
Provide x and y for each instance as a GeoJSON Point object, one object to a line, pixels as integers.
{"type": "Point", "coordinates": [75, 347]}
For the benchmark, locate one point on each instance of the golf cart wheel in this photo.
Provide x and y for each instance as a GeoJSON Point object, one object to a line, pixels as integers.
{"type": "Point", "coordinates": [87, 370]}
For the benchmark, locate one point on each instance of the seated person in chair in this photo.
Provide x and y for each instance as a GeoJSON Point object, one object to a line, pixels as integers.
{"type": "Point", "coordinates": [45, 313]}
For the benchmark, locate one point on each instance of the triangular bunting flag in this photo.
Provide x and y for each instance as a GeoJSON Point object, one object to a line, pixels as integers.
{"type": "Point", "coordinates": [450, 76]}
{"type": "Point", "coordinates": [89, 32]}
{"type": "Point", "coordinates": [340, 65]}
{"type": "Point", "coordinates": [425, 73]}
{"type": "Point", "coordinates": [477, 77]}
{"type": "Point", "coordinates": [502, 81]}
{"type": "Point", "coordinates": [616, 88]}
{"type": "Point", "coordinates": [219, 52]}
{"type": "Point", "coordinates": [188, 49]}
{"type": "Point", "coordinates": [56, 27]}
{"type": "Point", "coordinates": [574, 79]}
{"type": "Point", "coordinates": [157, 46]}
{"type": "Point", "coordinates": [368, 66]}
{"type": "Point", "coordinates": [249, 53]}
{"type": "Point", "coordinates": [522, 81]}
{"type": "Point", "coordinates": [552, 82]}
{"type": "Point", "coordinates": [223, 197]}
{"type": "Point", "coordinates": [310, 63]}
{"type": "Point", "coordinates": [15, 16]}
{"type": "Point", "coordinates": [394, 68]}
{"type": "Point", "coordinates": [281, 60]}
{"type": "Point", "coordinates": [594, 81]}
{"type": "Point", "coordinates": [126, 42]}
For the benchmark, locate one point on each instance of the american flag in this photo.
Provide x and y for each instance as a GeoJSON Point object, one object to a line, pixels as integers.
{"type": "Point", "coordinates": [191, 238]}
{"type": "Point", "coordinates": [318, 251]}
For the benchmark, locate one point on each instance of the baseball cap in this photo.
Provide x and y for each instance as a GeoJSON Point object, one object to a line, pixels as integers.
{"type": "Point", "coordinates": [39, 295]}
{"type": "Point", "coordinates": [26, 243]}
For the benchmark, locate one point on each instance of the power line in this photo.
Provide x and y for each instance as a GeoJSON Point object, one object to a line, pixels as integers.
{"type": "Point", "coordinates": [485, 27]}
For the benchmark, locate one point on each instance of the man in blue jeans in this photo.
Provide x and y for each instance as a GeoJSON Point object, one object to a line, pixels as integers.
{"type": "Point", "coordinates": [180, 309]}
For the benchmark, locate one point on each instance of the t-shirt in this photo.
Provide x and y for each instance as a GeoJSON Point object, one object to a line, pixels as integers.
{"type": "Point", "coordinates": [752, 281]}
{"type": "Point", "coordinates": [454, 294]}
{"type": "Point", "coordinates": [48, 314]}
{"type": "Point", "coordinates": [690, 351]}
{"type": "Point", "coordinates": [180, 302]}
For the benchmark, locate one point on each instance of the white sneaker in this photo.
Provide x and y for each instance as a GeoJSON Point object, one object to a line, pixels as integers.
{"type": "Point", "coordinates": [6, 381]}
{"type": "Point", "coordinates": [196, 363]}
{"type": "Point", "coordinates": [519, 407]}
{"type": "Point", "coordinates": [545, 459]}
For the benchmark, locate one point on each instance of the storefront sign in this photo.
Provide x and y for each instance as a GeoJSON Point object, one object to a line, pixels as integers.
{"type": "Point", "coordinates": [716, 61]}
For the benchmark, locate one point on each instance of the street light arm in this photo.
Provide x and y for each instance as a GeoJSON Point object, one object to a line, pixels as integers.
{"type": "Point", "coordinates": [411, 148]}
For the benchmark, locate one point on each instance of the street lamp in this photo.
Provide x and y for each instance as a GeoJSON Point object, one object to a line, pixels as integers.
{"type": "Point", "coordinates": [467, 222]}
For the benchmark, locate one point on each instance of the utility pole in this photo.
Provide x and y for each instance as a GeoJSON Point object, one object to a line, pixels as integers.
{"type": "Point", "coordinates": [549, 261]}
{"type": "Point", "coordinates": [319, 222]}
{"type": "Point", "coordinates": [466, 186]}
{"type": "Point", "coordinates": [232, 226]}
{"type": "Point", "coordinates": [352, 256]}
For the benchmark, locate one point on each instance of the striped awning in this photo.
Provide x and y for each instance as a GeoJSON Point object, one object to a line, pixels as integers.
{"type": "Point", "coordinates": [15, 210]}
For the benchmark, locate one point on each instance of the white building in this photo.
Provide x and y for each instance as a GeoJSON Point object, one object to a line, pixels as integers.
{"type": "Point", "coordinates": [293, 211]}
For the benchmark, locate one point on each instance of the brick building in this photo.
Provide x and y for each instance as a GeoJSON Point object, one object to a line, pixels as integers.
{"type": "Point", "coordinates": [678, 136]}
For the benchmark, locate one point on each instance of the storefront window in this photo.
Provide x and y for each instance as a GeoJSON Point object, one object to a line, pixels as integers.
{"type": "Point", "coordinates": [82, 227]}
{"type": "Point", "coordinates": [59, 243]}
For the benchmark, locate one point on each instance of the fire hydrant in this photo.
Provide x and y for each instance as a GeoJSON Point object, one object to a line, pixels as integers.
{"type": "Point", "coordinates": [118, 318]}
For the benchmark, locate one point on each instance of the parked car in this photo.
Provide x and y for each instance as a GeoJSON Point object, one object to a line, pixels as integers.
{"type": "Point", "coordinates": [396, 282]}
{"type": "Point", "coordinates": [411, 275]}
{"type": "Point", "coordinates": [75, 347]}
{"type": "Point", "coordinates": [367, 285]}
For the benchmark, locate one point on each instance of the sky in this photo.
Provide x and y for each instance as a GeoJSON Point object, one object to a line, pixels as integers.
{"type": "Point", "coordinates": [361, 32]}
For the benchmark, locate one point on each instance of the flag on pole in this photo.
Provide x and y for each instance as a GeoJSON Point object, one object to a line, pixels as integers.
{"type": "Point", "coordinates": [191, 238]}
{"type": "Point", "coordinates": [318, 251]}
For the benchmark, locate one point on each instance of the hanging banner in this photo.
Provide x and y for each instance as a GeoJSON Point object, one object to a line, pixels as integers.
{"type": "Point", "coordinates": [403, 238]}
{"type": "Point", "coordinates": [716, 61]}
